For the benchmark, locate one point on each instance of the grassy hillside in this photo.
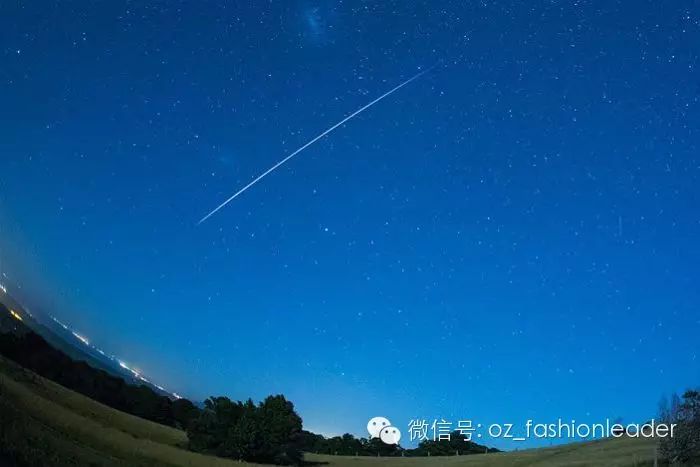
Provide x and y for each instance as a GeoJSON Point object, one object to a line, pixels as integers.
{"type": "Point", "coordinates": [42, 423]}
{"type": "Point", "coordinates": [63, 341]}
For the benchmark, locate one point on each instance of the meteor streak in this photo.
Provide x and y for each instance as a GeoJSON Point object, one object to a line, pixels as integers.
{"type": "Point", "coordinates": [278, 164]}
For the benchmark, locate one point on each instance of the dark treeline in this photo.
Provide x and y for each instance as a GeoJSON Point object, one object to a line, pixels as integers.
{"type": "Point", "coordinates": [268, 432]}
{"type": "Point", "coordinates": [457, 445]}
{"type": "Point", "coordinates": [33, 352]}
{"type": "Point", "coordinates": [264, 433]}
{"type": "Point", "coordinates": [348, 445]}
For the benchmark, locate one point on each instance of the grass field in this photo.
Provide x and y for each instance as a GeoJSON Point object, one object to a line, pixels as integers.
{"type": "Point", "coordinates": [42, 423]}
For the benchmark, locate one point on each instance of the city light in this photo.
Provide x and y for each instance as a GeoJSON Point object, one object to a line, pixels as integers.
{"type": "Point", "coordinates": [121, 363]}
{"type": "Point", "coordinates": [81, 338]}
{"type": "Point", "coordinates": [16, 315]}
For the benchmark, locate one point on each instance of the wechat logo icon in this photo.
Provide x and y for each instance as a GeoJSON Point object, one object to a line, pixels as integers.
{"type": "Point", "coordinates": [380, 427]}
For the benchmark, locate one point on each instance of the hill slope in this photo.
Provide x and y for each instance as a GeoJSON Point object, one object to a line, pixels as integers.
{"type": "Point", "coordinates": [64, 340]}
{"type": "Point", "coordinates": [43, 423]}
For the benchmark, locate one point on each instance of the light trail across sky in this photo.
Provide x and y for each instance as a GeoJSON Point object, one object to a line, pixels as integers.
{"type": "Point", "coordinates": [312, 141]}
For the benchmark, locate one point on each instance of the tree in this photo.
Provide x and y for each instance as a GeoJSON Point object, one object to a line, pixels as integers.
{"type": "Point", "coordinates": [684, 446]}
{"type": "Point", "coordinates": [267, 433]}
{"type": "Point", "coordinates": [184, 411]}
{"type": "Point", "coordinates": [377, 447]}
{"type": "Point", "coordinates": [457, 444]}
{"type": "Point", "coordinates": [281, 427]}
{"type": "Point", "coordinates": [202, 431]}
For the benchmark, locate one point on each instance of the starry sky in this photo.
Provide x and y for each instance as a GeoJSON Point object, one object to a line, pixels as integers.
{"type": "Point", "coordinates": [513, 235]}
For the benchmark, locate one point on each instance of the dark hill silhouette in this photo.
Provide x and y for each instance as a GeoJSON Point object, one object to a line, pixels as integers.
{"type": "Point", "coordinates": [222, 427]}
{"type": "Point", "coordinates": [21, 344]}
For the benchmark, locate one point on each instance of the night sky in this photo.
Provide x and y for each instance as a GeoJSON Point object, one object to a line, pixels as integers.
{"type": "Point", "coordinates": [513, 235]}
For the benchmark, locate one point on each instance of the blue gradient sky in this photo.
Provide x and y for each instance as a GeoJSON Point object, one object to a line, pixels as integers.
{"type": "Point", "coordinates": [512, 236]}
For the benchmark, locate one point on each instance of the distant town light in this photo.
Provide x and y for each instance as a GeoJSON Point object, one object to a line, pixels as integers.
{"type": "Point", "coordinates": [81, 338]}
{"type": "Point", "coordinates": [16, 315]}
{"type": "Point", "coordinates": [60, 323]}
{"type": "Point", "coordinates": [85, 341]}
